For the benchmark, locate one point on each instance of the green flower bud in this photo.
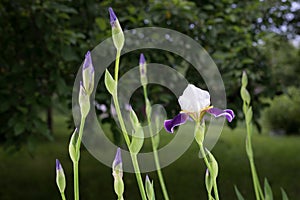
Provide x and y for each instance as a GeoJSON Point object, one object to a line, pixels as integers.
{"type": "Point", "coordinates": [143, 70]}
{"type": "Point", "coordinates": [117, 32]}
{"type": "Point", "coordinates": [117, 171]}
{"type": "Point", "coordinates": [149, 188]}
{"type": "Point", "coordinates": [84, 101]}
{"type": "Point", "coordinates": [88, 74]}
{"type": "Point", "coordinates": [60, 177]}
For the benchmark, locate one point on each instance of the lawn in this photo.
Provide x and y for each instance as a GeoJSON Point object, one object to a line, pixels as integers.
{"type": "Point", "coordinates": [277, 158]}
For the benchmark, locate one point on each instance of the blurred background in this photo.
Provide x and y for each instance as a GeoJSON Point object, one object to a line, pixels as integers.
{"type": "Point", "coordinates": [43, 43]}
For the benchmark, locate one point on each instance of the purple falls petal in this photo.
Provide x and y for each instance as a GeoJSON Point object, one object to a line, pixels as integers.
{"type": "Point", "coordinates": [112, 15]}
{"type": "Point", "coordinates": [216, 112]}
{"type": "Point", "coordinates": [179, 119]}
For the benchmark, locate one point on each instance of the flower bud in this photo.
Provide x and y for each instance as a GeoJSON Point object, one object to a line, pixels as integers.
{"type": "Point", "coordinates": [88, 74]}
{"type": "Point", "coordinates": [143, 70]}
{"type": "Point", "coordinates": [60, 177]}
{"type": "Point", "coordinates": [84, 101]}
{"type": "Point", "coordinates": [118, 174]}
{"type": "Point", "coordinates": [149, 188]}
{"type": "Point", "coordinates": [244, 79]}
{"type": "Point", "coordinates": [117, 32]}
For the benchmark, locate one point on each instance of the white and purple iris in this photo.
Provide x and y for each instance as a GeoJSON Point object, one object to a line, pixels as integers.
{"type": "Point", "coordinates": [194, 103]}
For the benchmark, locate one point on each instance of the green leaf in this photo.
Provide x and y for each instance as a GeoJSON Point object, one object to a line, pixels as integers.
{"type": "Point", "coordinates": [284, 195]}
{"type": "Point", "coordinates": [268, 191]}
{"type": "Point", "coordinates": [238, 194]}
{"type": "Point", "coordinates": [208, 182]}
{"type": "Point", "coordinates": [133, 118]}
{"type": "Point", "coordinates": [213, 164]}
{"type": "Point", "coordinates": [101, 23]}
{"type": "Point", "coordinates": [137, 140]}
{"type": "Point", "coordinates": [19, 128]}
{"type": "Point", "coordinates": [110, 83]}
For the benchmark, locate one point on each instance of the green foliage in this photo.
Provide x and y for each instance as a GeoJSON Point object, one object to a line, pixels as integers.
{"type": "Point", "coordinates": [45, 42]}
{"type": "Point", "coordinates": [284, 112]}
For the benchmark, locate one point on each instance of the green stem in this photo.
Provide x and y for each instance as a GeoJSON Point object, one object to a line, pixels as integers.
{"type": "Point", "coordinates": [76, 163]}
{"type": "Point", "coordinates": [155, 153]}
{"type": "Point", "coordinates": [76, 180]}
{"type": "Point", "coordinates": [208, 166]}
{"type": "Point", "coordinates": [63, 196]}
{"type": "Point", "coordinates": [256, 184]}
{"type": "Point", "coordinates": [138, 175]}
{"type": "Point", "coordinates": [216, 190]}
{"type": "Point", "coordinates": [209, 169]}
{"type": "Point", "coordinates": [124, 131]}
{"type": "Point", "coordinates": [117, 65]}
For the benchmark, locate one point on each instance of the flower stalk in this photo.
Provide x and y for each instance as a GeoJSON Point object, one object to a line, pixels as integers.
{"type": "Point", "coordinates": [86, 89]}
{"type": "Point", "coordinates": [247, 110]}
{"type": "Point", "coordinates": [195, 103]}
{"type": "Point", "coordinates": [118, 39]}
{"type": "Point", "coordinates": [143, 77]}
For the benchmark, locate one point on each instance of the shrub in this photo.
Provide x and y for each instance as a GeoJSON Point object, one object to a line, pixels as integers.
{"type": "Point", "coordinates": [284, 112]}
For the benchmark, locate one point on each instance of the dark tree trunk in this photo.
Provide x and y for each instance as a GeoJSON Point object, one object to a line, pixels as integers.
{"type": "Point", "coordinates": [49, 119]}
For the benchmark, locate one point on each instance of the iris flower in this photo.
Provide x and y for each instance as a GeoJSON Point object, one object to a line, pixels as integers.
{"type": "Point", "coordinates": [195, 103]}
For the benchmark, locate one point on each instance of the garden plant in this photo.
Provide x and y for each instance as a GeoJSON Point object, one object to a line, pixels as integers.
{"type": "Point", "coordinates": [196, 107]}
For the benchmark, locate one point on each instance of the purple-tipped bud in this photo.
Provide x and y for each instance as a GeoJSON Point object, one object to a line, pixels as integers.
{"type": "Point", "coordinates": [60, 177]}
{"type": "Point", "coordinates": [118, 158]}
{"type": "Point", "coordinates": [143, 69]}
{"type": "Point", "coordinates": [149, 188]}
{"type": "Point", "coordinates": [117, 32]}
{"type": "Point", "coordinates": [113, 17]}
{"type": "Point", "coordinates": [88, 73]}
{"type": "Point", "coordinates": [147, 178]}
{"type": "Point", "coordinates": [117, 165]}
{"type": "Point", "coordinates": [142, 59]}
{"type": "Point", "coordinates": [58, 165]}
{"type": "Point", "coordinates": [88, 60]}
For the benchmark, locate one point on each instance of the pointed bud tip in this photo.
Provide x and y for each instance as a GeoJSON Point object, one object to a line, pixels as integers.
{"type": "Point", "coordinates": [142, 59]}
{"type": "Point", "coordinates": [147, 178]}
{"type": "Point", "coordinates": [58, 165]}
{"type": "Point", "coordinates": [112, 15]}
{"type": "Point", "coordinates": [118, 157]}
{"type": "Point", "coordinates": [87, 60]}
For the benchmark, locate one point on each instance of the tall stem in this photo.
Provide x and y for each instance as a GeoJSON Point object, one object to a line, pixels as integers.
{"type": "Point", "coordinates": [124, 131]}
{"type": "Point", "coordinates": [256, 184]}
{"type": "Point", "coordinates": [76, 163]}
{"type": "Point", "coordinates": [202, 150]}
{"type": "Point", "coordinates": [155, 153]}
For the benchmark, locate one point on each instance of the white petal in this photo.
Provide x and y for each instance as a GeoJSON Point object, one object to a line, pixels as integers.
{"type": "Point", "coordinates": [194, 99]}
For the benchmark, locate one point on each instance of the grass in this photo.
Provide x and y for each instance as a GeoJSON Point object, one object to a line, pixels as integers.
{"type": "Point", "coordinates": [277, 158]}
